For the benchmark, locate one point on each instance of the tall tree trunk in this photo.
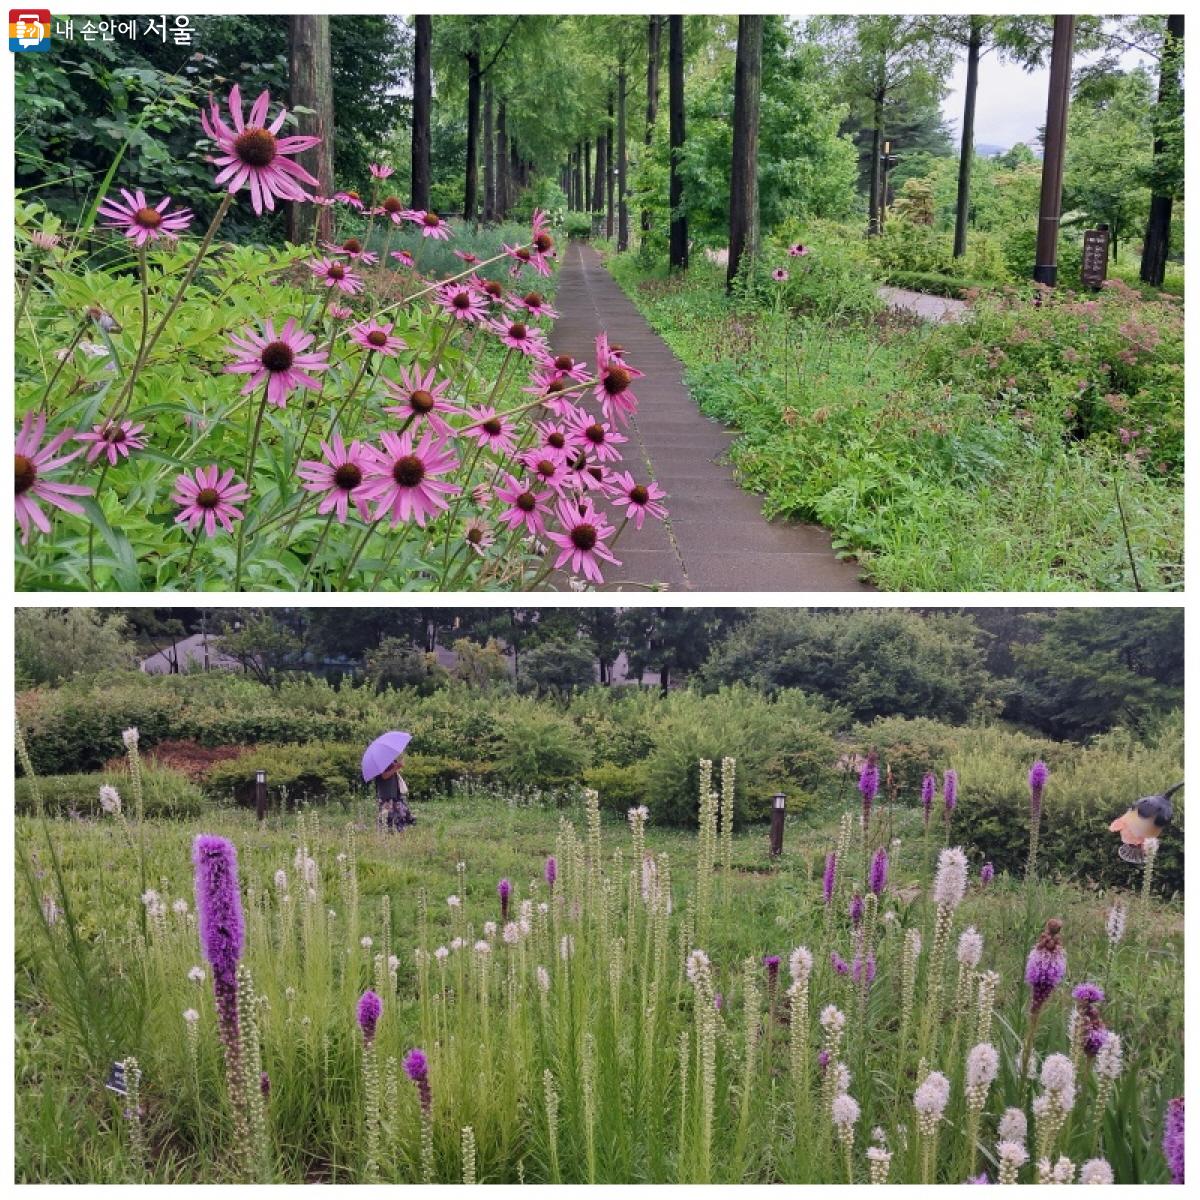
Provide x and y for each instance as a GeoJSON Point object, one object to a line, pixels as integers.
{"type": "Point", "coordinates": [514, 173]}
{"type": "Point", "coordinates": [875, 199]}
{"type": "Point", "coordinates": [587, 172]}
{"type": "Point", "coordinates": [471, 192]}
{"type": "Point", "coordinates": [601, 171]}
{"type": "Point", "coordinates": [1158, 224]}
{"type": "Point", "coordinates": [422, 100]}
{"type": "Point", "coordinates": [1058, 103]}
{"type": "Point", "coordinates": [743, 178]}
{"type": "Point", "coordinates": [310, 71]}
{"type": "Point", "coordinates": [622, 163]}
{"type": "Point", "coordinates": [502, 160]}
{"type": "Point", "coordinates": [966, 152]}
{"type": "Point", "coordinates": [653, 56]}
{"type": "Point", "coordinates": [609, 182]}
{"type": "Point", "coordinates": [679, 229]}
{"type": "Point", "coordinates": [489, 155]}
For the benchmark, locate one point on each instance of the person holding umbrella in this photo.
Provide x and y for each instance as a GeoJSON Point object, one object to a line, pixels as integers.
{"type": "Point", "coordinates": [383, 761]}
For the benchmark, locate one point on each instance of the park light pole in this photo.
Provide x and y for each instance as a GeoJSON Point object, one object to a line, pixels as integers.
{"type": "Point", "coordinates": [778, 805]}
{"type": "Point", "coordinates": [888, 161]}
{"type": "Point", "coordinates": [1058, 103]}
{"type": "Point", "coordinates": [260, 795]}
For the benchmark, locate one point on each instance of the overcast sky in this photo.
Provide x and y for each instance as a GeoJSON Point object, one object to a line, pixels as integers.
{"type": "Point", "coordinates": [1012, 102]}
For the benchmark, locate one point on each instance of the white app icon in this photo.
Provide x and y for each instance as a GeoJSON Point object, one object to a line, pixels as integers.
{"type": "Point", "coordinates": [30, 30]}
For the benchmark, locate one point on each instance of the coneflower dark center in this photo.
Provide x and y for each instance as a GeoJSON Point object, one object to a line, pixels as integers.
{"type": "Point", "coordinates": [564, 362]}
{"type": "Point", "coordinates": [432, 220]}
{"type": "Point", "coordinates": [493, 427]}
{"type": "Point", "coordinates": [493, 288]}
{"type": "Point", "coordinates": [392, 205]}
{"type": "Point", "coordinates": [348, 477]}
{"type": "Point", "coordinates": [517, 331]}
{"type": "Point", "coordinates": [556, 439]}
{"type": "Point", "coordinates": [148, 218]}
{"type": "Point", "coordinates": [584, 537]}
{"type": "Point", "coordinates": [26, 474]}
{"type": "Point", "coordinates": [255, 146]}
{"type": "Point", "coordinates": [352, 246]}
{"type": "Point", "coordinates": [639, 494]}
{"type": "Point", "coordinates": [616, 380]}
{"type": "Point", "coordinates": [526, 502]}
{"type": "Point", "coordinates": [461, 300]}
{"type": "Point", "coordinates": [474, 535]}
{"type": "Point", "coordinates": [421, 401]}
{"type": "Point", "coordinates": [377, 337]}
{"type": "Point", "coordinates": [533, 300]}
{"type": "Point", "coordinates": [408, 471]}
{"type": "Point", "coordinates": [337, 271]}
{"type": "Point", "coordinates": [277, 356]}
{"type": "Point", "coordinates": [546, 468]}
{"type": "Point", "coordinates": [208, 497]}
{"type": "Point", "coordinates": [594, 434]}
{"type": "Point", "coordinates": [114, 434]}
{"type": "Point", "coordinates": [543, 242]}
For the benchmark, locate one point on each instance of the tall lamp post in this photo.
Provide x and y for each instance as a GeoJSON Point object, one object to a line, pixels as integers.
{"type": "Point", "coordinates": [777, 810]}
{"type": "Point", "coordinates": [260, 795]}
{"type": "Point", "coordinates": [888, 161]}
{"type": "Point", "coordinates": [1058, 102]}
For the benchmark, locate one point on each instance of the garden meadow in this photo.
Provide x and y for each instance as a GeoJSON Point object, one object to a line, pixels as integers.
{"type": "Point", "coordinates": [909, 979]}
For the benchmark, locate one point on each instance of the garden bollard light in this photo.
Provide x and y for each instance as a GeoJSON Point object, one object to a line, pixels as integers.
{"type": "Point", "coordinates": [777, 825]}
{"type": "Point", "coordinates": [260, 794]}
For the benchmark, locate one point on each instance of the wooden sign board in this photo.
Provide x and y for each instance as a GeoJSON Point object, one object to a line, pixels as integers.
{"type": "Point", "coordinates": [1095, 256]}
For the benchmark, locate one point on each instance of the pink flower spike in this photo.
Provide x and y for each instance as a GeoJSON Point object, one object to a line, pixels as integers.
{"type": "Point", "coordinates": [402, 477]}
{"type": "Point", "coordinates": [526, 506]}
{"type": "Point", "coordinates": [114, 440]}
{"type": "Point", "coordinates": [798, 250]}
{"type": "Point", "coordinates": [377, 336]}
{"type": "Point", "coordinates": [331, 273]}
{"type": "Point", "coordinates": [252, 155]}
{"type": "Point", "coordinates": [420, 398]}
{"type": "Point", "coordinates": [209, 497]}
{"type": "Point", "coordinates": [640, 499]}
{"type": "Point", "coordinates": [340, 476]}
{"type": "Point", "coordinates": [581, 540]}
{"type": "Point", "coordinates": [142, 222]}
{"type": "Point", "coordinates": [33, 462]}
{"type": "Point", "coordinates": [491, 429]}
{"type": "Point", "coordinates": [280, 360]}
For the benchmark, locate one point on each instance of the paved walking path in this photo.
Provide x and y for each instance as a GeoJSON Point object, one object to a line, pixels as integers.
{"type": "Point", "coordinates": [716, 538]}
{"type": "Point", "coordinates": [923, 305]}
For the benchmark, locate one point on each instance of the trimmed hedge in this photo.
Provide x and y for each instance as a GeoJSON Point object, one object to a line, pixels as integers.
{"type": "Point", "coordinates": [166, 793]}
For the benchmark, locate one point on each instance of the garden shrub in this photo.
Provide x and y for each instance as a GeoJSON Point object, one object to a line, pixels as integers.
{"type": "Point", "coordinates": [166, 793]}
{"type": "Point", "coordinates": [619, 788]}
{"type": "Point", "coordinates": [539, 746]}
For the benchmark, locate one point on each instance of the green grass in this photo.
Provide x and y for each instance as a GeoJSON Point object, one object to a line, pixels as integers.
{"type": "Point", "coordinates": [101, 984]}
{"type": "Point", "coordinates": [845, 424]}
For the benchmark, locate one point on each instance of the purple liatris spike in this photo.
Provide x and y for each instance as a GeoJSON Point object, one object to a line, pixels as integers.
{"type": "Point", "coordinates": [416, 1067]}
{"type": "Point", "coordinates": [1046, 965]}
{"type": "Point", "coordinates": [370, 1009]}
{"type": "Point", "coordinates": [718, 1001]}
{"type": "Point", "coordinates": [950, 791]}
{"type": "Point", "coordinates": [980, 1179]}
{"type": "Point", "coordinates": [222, 932]}
{"type": "Point", "coordinates": [857, 970]}
{"type": "Point", "coordinates": [551, 871]}
{"type": "Point", "coordinates": [868, 783]}
{"type": "Point", "coordinates": [1088, 993]}
{"type": "Point", "coordinates": [771, 962]}
{"type": "Point", "coordinates": [986, 873]}
{"type": "Point", "coordinates": [830, 875]}
{"type": "Point", "coordinates": [840, 965]}
{"type": "Point", "coordinates": [504, 890]}
{"type": "Point", "coordinates": [1172, 1143]}
{"type": "Point", "coordinates": [928, 787]}
{"type": "Point", "coordinates": [856, 910]}
{"type": "Point", "coordinates": [264, 1085]}
{"type": "Point", "coordinates": [878, 876]}
{"type": "Point", "coordinates": [1038, 774]}
{"type": "Point", "coordinates": [823, 1061]}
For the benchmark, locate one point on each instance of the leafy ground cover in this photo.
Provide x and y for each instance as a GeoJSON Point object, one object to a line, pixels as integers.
{"type": "Point", "coordinates": [1049, 425]}
{"type": "Point", "coordinates": [657, 1006]}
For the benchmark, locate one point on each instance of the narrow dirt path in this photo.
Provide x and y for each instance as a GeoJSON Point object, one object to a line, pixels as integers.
{"type": "Point", "coordinates": [716, 538]}
{"type": "Point", "coordinates": [923, 305]}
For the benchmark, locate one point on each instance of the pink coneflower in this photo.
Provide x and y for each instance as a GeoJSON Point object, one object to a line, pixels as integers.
{"type": "Point", "coordinates": [379, 171]}
{"type": "Point", "coordinates": [462, 302]}
{"type": "Point", "coordinates": [116, 439]}
{"type": "Point", "coordinates": [493, 290]}
{"type": "Point", "coordinates": [377, 336]}
{"type": "Point", "coordinates": [323, 201]}
{"type": "Point", "coordinates": [353, 249]}
{"type": "Point", "coordinates": [533, 303]}
{"type": "Point", "coordinates": [142, 222]}
{"type": "Point", "coordinates": [525, 505]}
{"type": "Point", "coordinates": [404, 258]}
{"type": "Point", "coordinates": [350, 198]}
{"type": "Point", "coordinates": [467, 257]}
{"type": "Point", "coordinates": [393, 208]}
{"type": "Point", "coordinates": [478, 535]}
{"type": "Point", "coordinates": [403, 477]}
{"type": "Point", "coordinates": [779, 275]}
{"type": "Point", "coordinates": [613, 379]}
{"type": "Point", "coordinates": [585, 475]}
{"type": "Point", "coordinates": [556, 438]}
{"type": "Point", "coordinates": [523, 256]}
{"type": "Point", "coordinates": [518, 335]}
{"type": "Point", "coordinates": [252, 155]}
{"type": "Point", "coordinates": [33, 463]}
{"type": "Point", "coordinates": [548, 384]}
{"type": "Point", "coordinates": [340, 476]}
{"type": "Point", "coordinates": [209, 497]}
{"type": "Point", "coordinates": [334, 274]}
{"type": "Point", "coordinates": [565, 367]}
{"type": "Point", "coordinates": [548, 469]}
{"type": "Point", "coordinates": [797, 250]}
{"type": "Point", "coordinates": [640, 499]}
{"type": "Point", "coordinates": [430, 224]}
{"type": "Point", "coordinates": [581, 541]}
{"type": "Point", "coordinates": [491, 429]}
{"type": "Point", "coordinates": [279, 359]}
{"type": "Point", "coordinates": [340, 312]}
{"type": "Point", "coordinates": [597, 437]}
{"type": "Point", "coordinates": [420, 397]}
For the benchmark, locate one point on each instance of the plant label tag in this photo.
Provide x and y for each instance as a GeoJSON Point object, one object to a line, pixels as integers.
{"type": "Point", "coordinates": [116, 1079]}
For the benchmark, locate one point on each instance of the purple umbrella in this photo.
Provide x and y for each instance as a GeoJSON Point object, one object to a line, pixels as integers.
{"type": "Point", "coordinates": [384, 751]}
